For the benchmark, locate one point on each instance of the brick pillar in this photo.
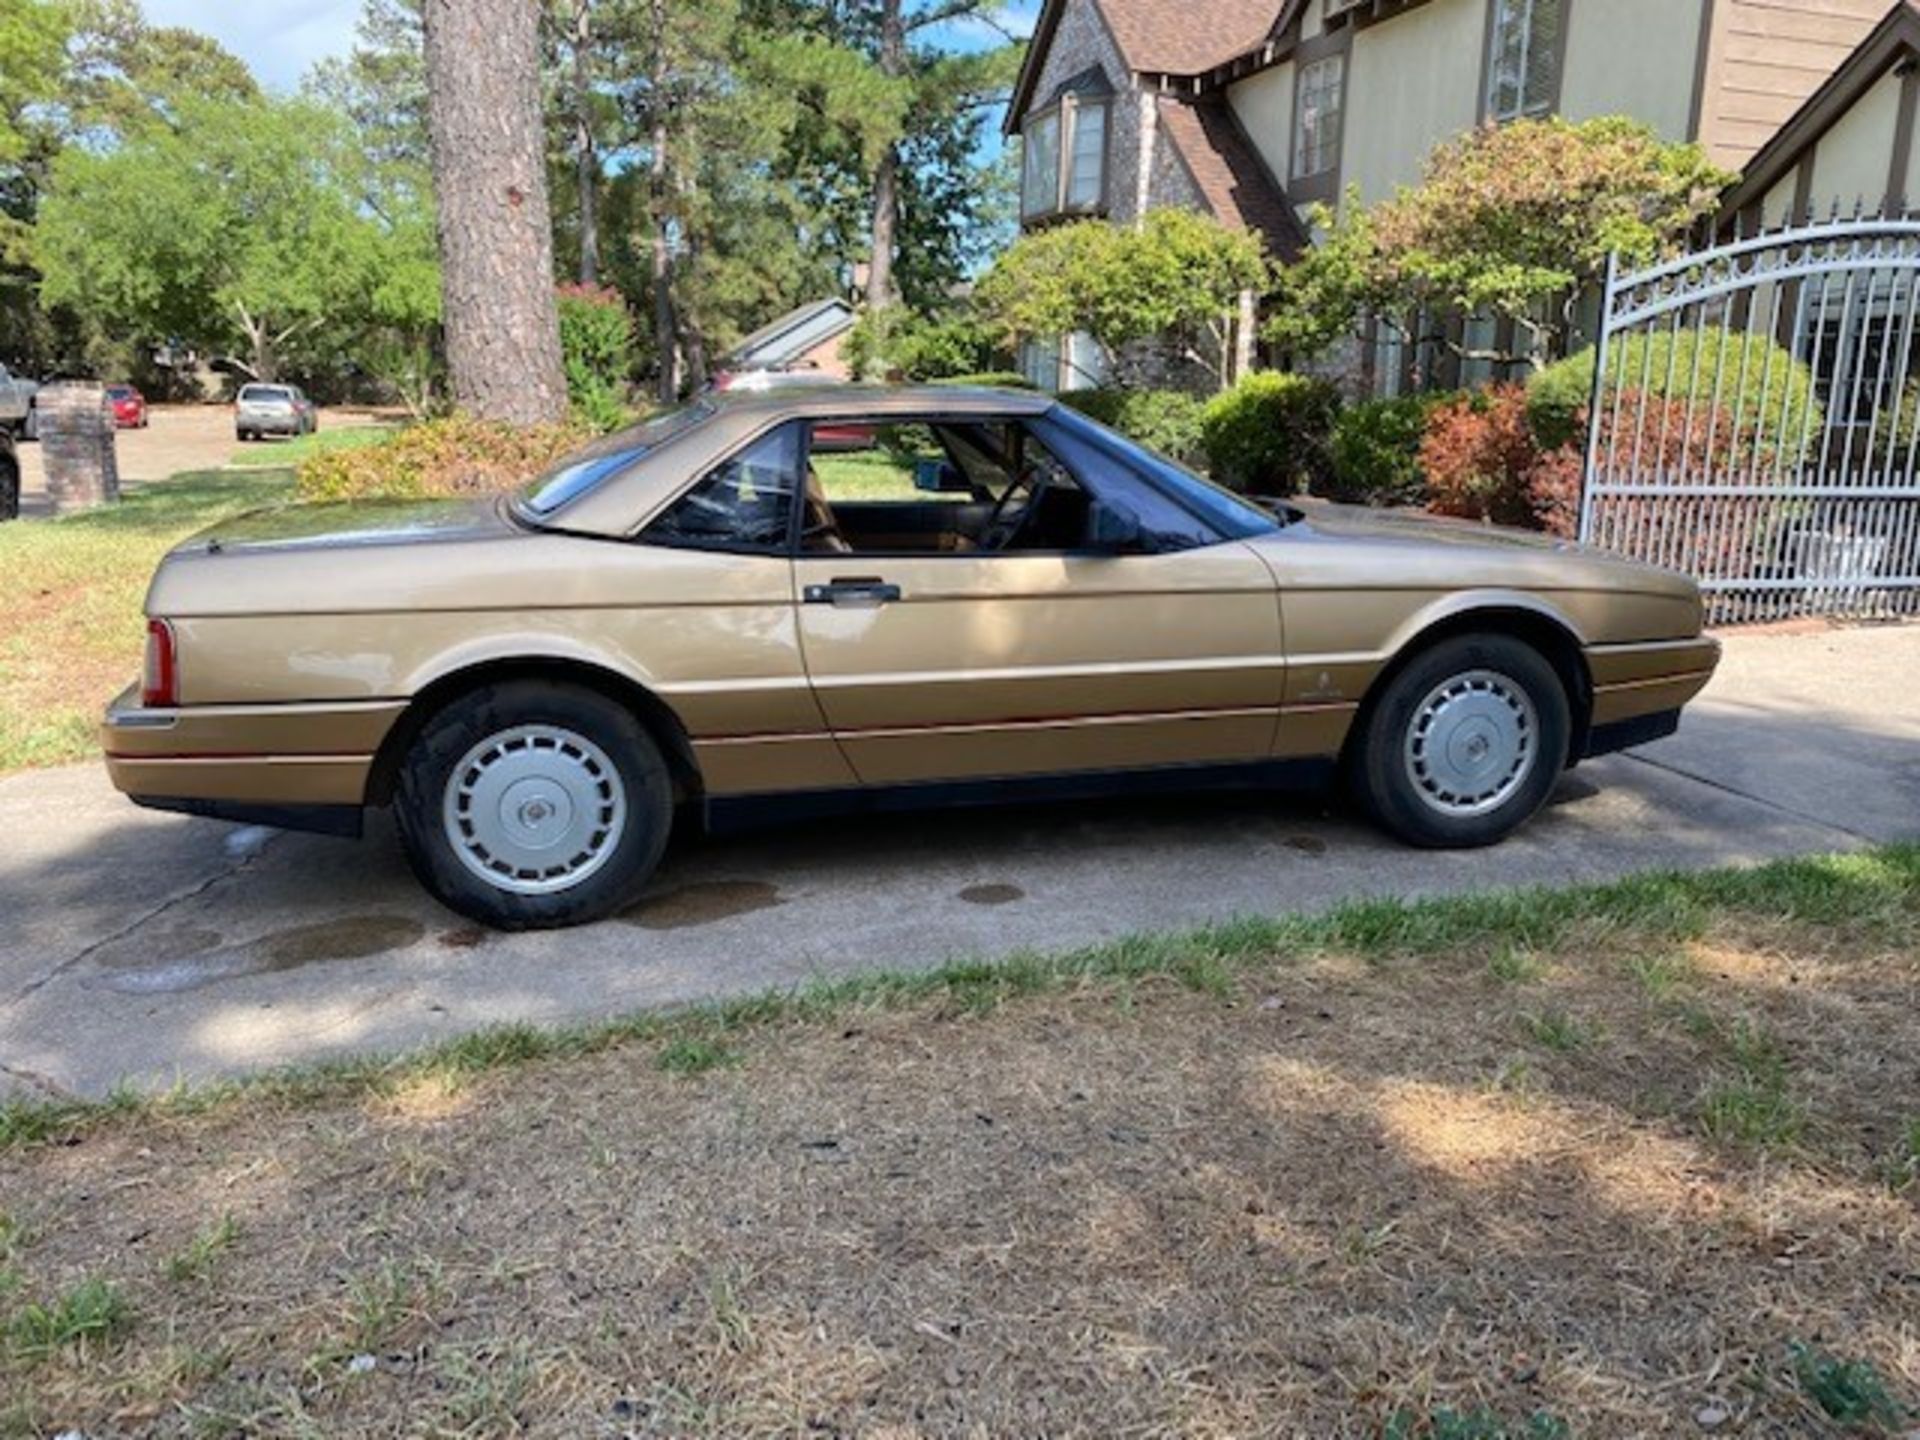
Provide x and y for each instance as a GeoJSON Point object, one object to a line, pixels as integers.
{"type": "Point", "coordinates": [76, 444]}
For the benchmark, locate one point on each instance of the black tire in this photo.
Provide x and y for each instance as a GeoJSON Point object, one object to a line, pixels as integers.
{"type": "Point", "coordinates": [1391, 773]}
{"type": "Point", "coordinates": [9, 487]}
{"type": "Point", "coordinates": [244, 436]}
{"type": "Point", "coordinates": [628, 858]}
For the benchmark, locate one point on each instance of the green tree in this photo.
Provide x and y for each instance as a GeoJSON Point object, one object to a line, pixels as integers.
{"type": "Point", "coordinates": [1513, 222]}
{"type": "Point", "coordinates": [1176, 278]}
{"type": "Point", "coordinates": [244, 229]}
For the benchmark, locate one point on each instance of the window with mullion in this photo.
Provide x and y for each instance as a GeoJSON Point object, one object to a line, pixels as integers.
{"type": "Point", "coordinates": [1319, 101]}
{"type": "Point", "coordinates": [1063, 162]}
{"type": "Point", "coordinates": [1523, 63]}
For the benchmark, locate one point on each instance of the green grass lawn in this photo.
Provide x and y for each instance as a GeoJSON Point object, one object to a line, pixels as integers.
{"type": "Point", "coordinates": [284, 454]}
{"type": "Point", "coordinates": [869, 475]}
{"type": "Point", "coordinates": [1518, 1166]}
{"type": "Point", "coordinates": [73, 593]}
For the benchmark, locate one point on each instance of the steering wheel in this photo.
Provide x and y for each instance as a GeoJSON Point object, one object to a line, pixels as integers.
{"type": "Point", "coordinates": [1000, 533]}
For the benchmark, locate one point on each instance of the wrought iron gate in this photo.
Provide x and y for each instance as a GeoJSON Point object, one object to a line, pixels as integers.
{"type": "Point", "coordinates": [1755, 421]}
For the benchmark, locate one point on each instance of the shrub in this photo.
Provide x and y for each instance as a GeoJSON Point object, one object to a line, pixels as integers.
{"type": "Point", "coordinates": [455, 456]}
{"type": "Point", "coordinates": [1163, 420]}
{"type": "Point", "coordinates": [1482, 462]}
{"type": "Point", "coordinates": [596, 347]}
{"type": "Point", "coordinates": [1271, 434]}
{"type": "Point", "coordinates": [995, 379]}
{"type": "Point", "coordinates": [1661, 366]}
{"type": "Point", "coordinates": [1376, 452]}
{"type": "Point", "coordinates": [918, 346]}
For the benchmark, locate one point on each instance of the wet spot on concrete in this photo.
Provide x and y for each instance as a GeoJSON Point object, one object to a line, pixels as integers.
{"type": "Point", "coordinates": [996, 894]}
{"type": "Point", "coordinates": [701, 903]}
{"type": "Point", "coordinates": [149, 971]}
{"type": "Point", "coordinates": [352, 938]}
{"type": "Point", "coordinates": [163, 947]}
{"type": "Point", "coordinates": [1307, 844]}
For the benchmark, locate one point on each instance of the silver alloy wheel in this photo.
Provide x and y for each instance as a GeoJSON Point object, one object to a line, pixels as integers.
{"type": "Point", "coordinates": [535, 809]}
{"type": "Point", "coordinates": [1472, 743]}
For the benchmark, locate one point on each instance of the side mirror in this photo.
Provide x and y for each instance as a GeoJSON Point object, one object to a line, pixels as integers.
{"type": "Point", "coordinates": [1111, 528]}
{"type": "Point", "coordinates": [941, 477]}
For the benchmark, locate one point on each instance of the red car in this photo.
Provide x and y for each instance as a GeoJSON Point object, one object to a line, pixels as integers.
{"type": "Point", "coordinates": [129, 407]}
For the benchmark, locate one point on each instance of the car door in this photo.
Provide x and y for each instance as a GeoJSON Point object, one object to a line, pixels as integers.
{"type": "Point", "coordinates": [969, 663]}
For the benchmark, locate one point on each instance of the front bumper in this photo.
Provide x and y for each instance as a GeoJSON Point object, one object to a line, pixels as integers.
{"type": "Point", "coordinates": [245, 755]}
{"type": "Point", "coordinates": [1631, 681]}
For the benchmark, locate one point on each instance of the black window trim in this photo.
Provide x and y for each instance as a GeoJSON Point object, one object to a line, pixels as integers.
{"type": "Point", "coordinates": [935, 419]}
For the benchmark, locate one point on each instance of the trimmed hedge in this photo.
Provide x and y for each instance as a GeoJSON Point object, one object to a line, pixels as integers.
{"type": "Point", "coordinates": [1272, 434]}
{"type": "Point", "coordinates": [1163, 420]}
{"type": "Point", "coordinates": [1376, 451]}
{"type": "Point", "coordinates": [458, 455]}
{"type": "Point", "coordinates": [1662, 366]}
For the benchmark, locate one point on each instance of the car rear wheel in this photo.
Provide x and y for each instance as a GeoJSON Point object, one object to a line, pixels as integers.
{"type": "Point", "coordinates": [527, 806]}
{"type": "Point", "coordinates": [1465, 744]}
{"type": "Point", "coordinates": [9, 488]}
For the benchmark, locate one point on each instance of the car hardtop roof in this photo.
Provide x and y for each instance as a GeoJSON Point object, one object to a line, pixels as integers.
{"type": "Point", "coordinates": [880, 401]}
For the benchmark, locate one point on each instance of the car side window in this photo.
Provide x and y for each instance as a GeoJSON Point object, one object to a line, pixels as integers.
{"type": "Point", "coordinates": [744, 504]}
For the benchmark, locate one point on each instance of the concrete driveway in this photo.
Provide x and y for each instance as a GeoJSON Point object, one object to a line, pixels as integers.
{"type": "Point", "coordinates": [151, 948]}
{"type": "Point", "coordinates": [178, 439]}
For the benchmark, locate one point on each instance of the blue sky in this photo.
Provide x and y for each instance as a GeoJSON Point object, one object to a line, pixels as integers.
{"type": "Point", "coordinates": [281, 39]}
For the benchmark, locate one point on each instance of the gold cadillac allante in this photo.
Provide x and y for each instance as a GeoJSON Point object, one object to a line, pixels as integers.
{"type": "Point", "coordinates": [928, 593]}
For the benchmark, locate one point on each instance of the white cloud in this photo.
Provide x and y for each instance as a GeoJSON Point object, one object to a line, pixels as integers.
{"type": "Point", "coordinates": [279, 39]}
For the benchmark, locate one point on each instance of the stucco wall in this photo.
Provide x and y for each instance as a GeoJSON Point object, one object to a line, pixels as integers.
{"type": "Point", "coordinates": [1850, 163]}
{"type": "Point", "coordinates": [1264, 104]}
{"type": "Point", "coordinates": [1633, 57]}
{"type": "Point", "coordinates": [1080, 41]}
{"type": "Point", "coordinates": [1411, 83]}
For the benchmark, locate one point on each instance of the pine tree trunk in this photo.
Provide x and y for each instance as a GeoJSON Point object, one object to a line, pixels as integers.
{"type": "Point", "coordinates": [586, 157]}
{"type": "Point", "coordinates": [496, 225]}
{"type": "Point", "coordinates": [886, 176]}
{"type": "Point", "coordinates": [666, 336]}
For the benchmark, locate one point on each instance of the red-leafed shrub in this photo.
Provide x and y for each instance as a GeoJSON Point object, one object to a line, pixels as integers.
{"type": "Point", "coordinates": [1480, 457]}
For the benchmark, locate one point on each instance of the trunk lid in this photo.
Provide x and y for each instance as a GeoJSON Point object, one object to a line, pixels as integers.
{"type": "Point", "coordinates": [350, 525]}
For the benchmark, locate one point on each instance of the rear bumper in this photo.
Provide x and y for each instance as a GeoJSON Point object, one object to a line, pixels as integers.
{"type": "Point", "coordinates": [236, 756]}
{"type": "Point", "coordinates": [268, 424]}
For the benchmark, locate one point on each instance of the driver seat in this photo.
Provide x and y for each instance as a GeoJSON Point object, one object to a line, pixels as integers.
{"type": "Point", "coordinates": [820, 528]}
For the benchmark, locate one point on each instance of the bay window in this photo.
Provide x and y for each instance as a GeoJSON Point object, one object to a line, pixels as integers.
{"type": "Point", "coordinates": [1063, 160]}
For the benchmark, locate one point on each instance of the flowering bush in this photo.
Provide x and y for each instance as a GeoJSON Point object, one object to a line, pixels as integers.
{"type": "Point", "coordinates": [455, 456]}
{"type": "Point", "coordinates": [596, 348]}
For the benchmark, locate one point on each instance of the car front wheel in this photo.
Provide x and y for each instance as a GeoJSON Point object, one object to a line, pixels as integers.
{"type": "Point", "coordinates": [1465, 744]}
{"type": "Point", "coordinates": [527, 806]}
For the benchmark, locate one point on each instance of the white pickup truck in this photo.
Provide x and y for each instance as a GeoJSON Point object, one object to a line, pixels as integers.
{"type": "Point", "coordinates": [16, 405]}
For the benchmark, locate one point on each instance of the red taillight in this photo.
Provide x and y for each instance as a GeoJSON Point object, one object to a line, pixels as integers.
{"type": "Point", "coordinates": [160, 681]}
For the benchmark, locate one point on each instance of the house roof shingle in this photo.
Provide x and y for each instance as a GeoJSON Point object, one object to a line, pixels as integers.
{"type": "Point", "coordinates": [1235, 182]}
{"type": "Point", "coordinates": [1189, 37]}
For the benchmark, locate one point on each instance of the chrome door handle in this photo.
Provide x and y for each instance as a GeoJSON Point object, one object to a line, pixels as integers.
{"type": "Point", "coordinates": [862, 593]}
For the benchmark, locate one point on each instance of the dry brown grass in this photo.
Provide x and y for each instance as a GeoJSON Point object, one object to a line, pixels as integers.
{"type": "Point", "coordinates": [1332, 1192]}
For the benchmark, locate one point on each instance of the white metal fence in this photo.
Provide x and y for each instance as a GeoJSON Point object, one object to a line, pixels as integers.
{"type": "Point", "coordinates": [1755, 421]}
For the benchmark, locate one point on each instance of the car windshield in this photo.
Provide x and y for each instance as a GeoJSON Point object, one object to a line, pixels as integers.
{"type": "Point", "coordinates": [120, 392]}
{"type": "Point", "coordinates": [585, 470]}
{"type": "Point", "coordinates": [265, 392]}
{"type": "Point", "coordinates": [1230, 514]}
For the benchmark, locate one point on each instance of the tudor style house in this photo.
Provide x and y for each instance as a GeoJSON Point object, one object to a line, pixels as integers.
{"type": "Point", "coordinates": [1251, 110]}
